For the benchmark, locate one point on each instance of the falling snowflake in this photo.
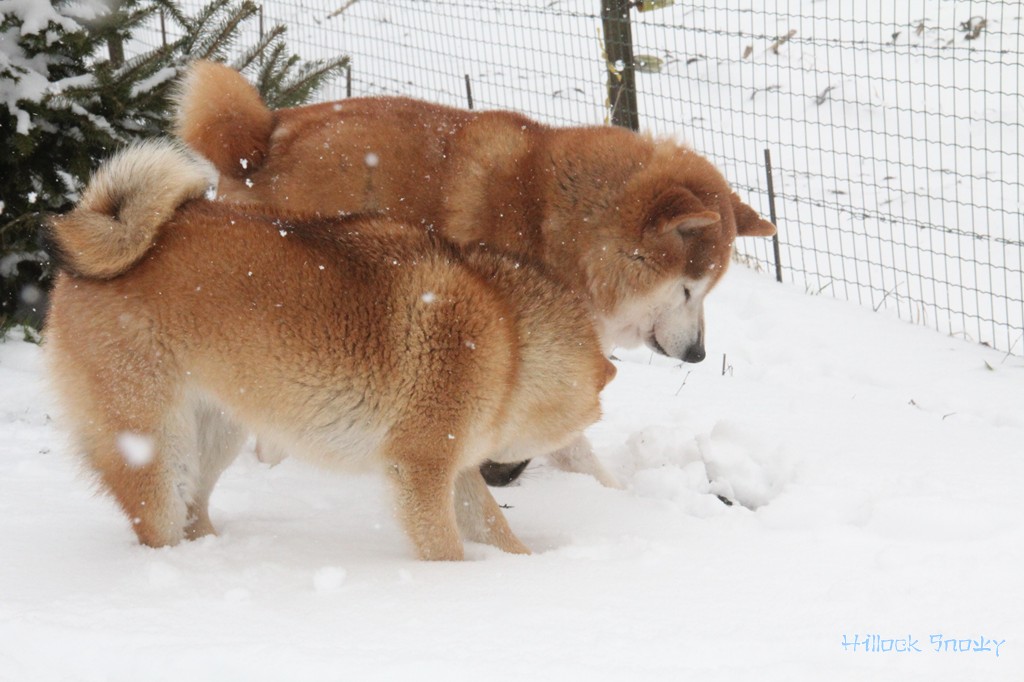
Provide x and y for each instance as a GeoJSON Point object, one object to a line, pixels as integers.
{"type": "Point", "coordinates": [31, 294]}
{"type": "Point", "coordinates": [136, 449]}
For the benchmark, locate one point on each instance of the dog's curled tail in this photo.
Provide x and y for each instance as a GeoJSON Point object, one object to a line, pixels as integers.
{"type": "Point", "coordinates": [124, 206]}
{"type": "Point", "coordinates": [222, 116]}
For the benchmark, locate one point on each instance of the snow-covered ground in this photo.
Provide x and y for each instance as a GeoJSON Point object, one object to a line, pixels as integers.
{"type": "Point", "coordinates": [876, 466]}
{"type": "Point", "coordinates": [877, 530]}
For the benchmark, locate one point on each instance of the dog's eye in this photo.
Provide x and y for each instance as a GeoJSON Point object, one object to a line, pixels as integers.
{"type": "Point", "coordinates": [637, 256]}
{"type": "Point", "coordinates": [686, 293]}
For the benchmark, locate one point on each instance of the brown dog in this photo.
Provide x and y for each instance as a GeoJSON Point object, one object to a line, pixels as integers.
{"type": "Point", "coordinates": [180, 324]}
{"type": "Point", "coordinates": [643, 227]}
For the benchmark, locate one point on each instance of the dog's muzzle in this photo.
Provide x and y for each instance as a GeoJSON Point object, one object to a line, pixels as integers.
{"type": "Point", "coordinates": [694, 352]}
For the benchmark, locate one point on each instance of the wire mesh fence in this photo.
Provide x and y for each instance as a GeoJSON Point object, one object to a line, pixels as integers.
{"type": "Point", "coordinates": [894, 128]}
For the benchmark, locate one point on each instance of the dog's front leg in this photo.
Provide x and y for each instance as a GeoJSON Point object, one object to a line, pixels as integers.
{"type": "Point", "coordinates": [479, 516]}
{"type": "Point", "coordinates": [579, 457]}
{"type": "Point", "coordinates": [425, 509]}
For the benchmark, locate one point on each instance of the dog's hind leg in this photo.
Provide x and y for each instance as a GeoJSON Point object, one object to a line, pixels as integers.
{"type": "Point", "coordinates": [145, 449]}
{"type": "Point", "coordinates": [479, 516]}
{"type": "Point", "coordinates": [219, 440]}
{"type": "Point", "coordinates": [147, 467]}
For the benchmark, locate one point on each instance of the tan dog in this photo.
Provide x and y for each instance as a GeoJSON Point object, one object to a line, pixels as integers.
{"type": "Point", "coordinates": [643, 227]}
{"type": "Point", "coordinates": [180, 324]}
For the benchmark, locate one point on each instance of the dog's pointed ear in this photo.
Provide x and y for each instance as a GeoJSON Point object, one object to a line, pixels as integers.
{"type": "Point", "coordinates": [677, 208]}
{"type": "Point", "coordinates": [693, 221]}
{"type": "Point", "coordinates": [748, 222]}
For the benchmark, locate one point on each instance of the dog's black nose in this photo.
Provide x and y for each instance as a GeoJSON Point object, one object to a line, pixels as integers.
{"type": "Point", "coordinates": [695, 353]}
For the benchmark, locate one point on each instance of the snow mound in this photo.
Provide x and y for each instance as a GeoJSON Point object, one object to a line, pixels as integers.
{"type": "Point", "coordinates": [708, 471]}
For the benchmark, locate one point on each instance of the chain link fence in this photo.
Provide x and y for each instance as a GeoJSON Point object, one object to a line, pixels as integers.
{"type": "Point", "coordinates": [894, 129]}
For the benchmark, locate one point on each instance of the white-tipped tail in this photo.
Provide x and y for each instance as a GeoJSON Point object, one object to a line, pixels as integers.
{"type": "Point", "coordinates": [127, 201]}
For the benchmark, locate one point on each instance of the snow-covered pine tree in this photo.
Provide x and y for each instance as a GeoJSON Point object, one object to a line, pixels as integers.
{"type": "Point", "coordinates": [74, 87]}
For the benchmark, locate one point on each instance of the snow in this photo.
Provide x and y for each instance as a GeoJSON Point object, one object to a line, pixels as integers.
{"type": "Point", "coordinates": [36, 15]}
{"type": "Point", "coordinates": [25, 78]}
{"type": "Point", "coordinates": [161, 76]}
{"type": "Point", "coordinates": [135, 448]}
{"type": "Point", "coordinates": [875, 469]}
{"type": "Point", "coordinates": [328, 579]}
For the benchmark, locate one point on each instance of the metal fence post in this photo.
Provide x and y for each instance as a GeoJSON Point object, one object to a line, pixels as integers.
{"type": "Point", "coordinates": [618, 47]}
{"type": "Point", "coordinates": [771, 209]}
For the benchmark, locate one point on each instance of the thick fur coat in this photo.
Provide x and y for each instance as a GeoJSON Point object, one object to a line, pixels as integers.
{"type": "Point", "coordinates": [179, 325]}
